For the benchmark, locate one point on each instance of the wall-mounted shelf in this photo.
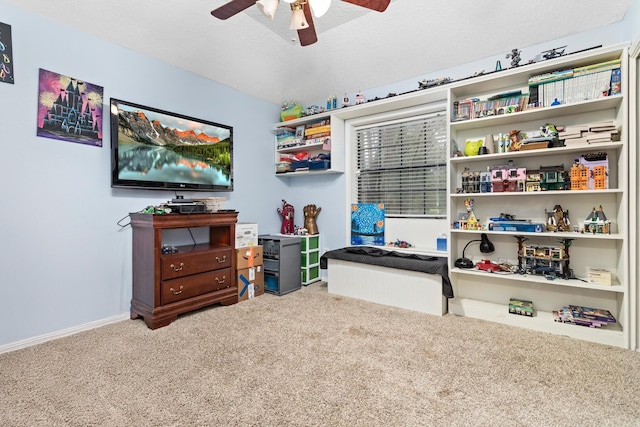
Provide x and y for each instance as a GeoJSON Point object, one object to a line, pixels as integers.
{"type": "Point", "coordinates": [328, 144]}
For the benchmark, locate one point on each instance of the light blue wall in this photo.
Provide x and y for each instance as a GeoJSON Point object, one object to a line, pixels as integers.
{"type": "Point", "coordinates": [65, 262]}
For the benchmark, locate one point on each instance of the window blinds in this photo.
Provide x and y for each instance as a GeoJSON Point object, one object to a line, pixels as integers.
{"type": "Point", "coordinates": [403, 165]}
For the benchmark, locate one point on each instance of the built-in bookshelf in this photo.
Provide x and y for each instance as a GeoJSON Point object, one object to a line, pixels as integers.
{"type": "Point", "coordinates": [590, 91]}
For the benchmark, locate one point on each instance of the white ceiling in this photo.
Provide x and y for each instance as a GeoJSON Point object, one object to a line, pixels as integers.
{"type": "Point", "coordinates": [356, 48]}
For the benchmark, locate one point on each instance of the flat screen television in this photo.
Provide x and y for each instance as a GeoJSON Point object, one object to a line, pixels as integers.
{"type": "Point", "coordinates": [156, 149]}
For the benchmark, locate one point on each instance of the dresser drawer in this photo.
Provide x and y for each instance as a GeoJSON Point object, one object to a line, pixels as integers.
{"type": "Point", "coordinates": [186, 264]}
{"type": "Point", "coordinates": [197, 284]}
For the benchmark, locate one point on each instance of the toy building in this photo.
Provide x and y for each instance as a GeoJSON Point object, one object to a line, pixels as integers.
{"type": "Point", "coordinates": [558, 219]}
{"type": "Point", "coordinates": [470, 181]}
{"type": "Point", "coordinates": [598, 165]}
{"type": "Point", "coordinates": [554, 178]}
{"type": "Point", "coordinates": [551, 261]}
{"type": "Point", "coordinates": [506, 178]}
{"type": "Point", "coordinates": [485, 182]}
{"type": "Point", "coordinates": [532, 181]}
{"type": "Point", "coordinates": [597, 222]}
{"type": "Point", "coordinates": [579, 176]}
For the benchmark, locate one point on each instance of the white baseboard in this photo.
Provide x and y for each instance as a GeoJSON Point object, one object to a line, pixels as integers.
{"type": "Point", "coordinates": [63, 333]}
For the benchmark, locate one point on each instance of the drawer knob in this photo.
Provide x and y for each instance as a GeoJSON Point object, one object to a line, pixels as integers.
{"type": "Point", "coordinates": [221, 260]}
{"type": "Point", "coordinates": [177, 268]}
{"type": "Point", "coordinates": [176, 292]}
{"type": "Point", "coordinates": [220, 282]}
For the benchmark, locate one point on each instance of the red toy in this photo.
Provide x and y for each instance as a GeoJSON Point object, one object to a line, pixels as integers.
{"type": "Point", "coordinates": [487, 265]}
{"type": "Point", "coordinates": [287, 212]}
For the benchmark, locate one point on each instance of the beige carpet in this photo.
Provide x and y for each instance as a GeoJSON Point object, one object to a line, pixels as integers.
{"type": "Point", "coordinates": [313, 359]}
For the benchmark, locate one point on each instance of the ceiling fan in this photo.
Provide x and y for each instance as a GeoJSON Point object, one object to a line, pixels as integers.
{"type": "Point", "coordinates": [301, 12]}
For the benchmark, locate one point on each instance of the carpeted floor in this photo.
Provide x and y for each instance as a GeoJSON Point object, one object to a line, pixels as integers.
{"type": "Point", "coordinates": [314, 359]}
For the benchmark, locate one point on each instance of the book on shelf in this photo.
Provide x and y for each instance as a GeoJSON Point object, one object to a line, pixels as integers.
{"type": "Point", "coordinates": [550, 77]}
{"type": "Point", "coordinates": [605, 136]}
{"type": "Point", "coordinates": [616, 82]}
{"type": "Point", "coordinates": [592, 313]}
{"type": "Point", "coordinates": [521, 307]}
{"type": "Point", "coordinates": [606, 125]}
{"type": "Point", "coordinates": [575, 141]}
{"type": "Point", "coordinates": [317, 130]}
{"type": "Point", "coordinates": [593, 68]}
{"type": "Point", "coordinates": [583, 316]}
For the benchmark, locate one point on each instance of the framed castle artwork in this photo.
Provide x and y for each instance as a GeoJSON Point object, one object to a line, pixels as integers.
{"type": "Point", "coordinates": [69, 109]}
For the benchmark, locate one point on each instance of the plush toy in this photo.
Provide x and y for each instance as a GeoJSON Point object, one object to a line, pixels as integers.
{"type": "Point", "coordinates": [286, 212]}
{"type": "Point", "coordinates": [472, 148]}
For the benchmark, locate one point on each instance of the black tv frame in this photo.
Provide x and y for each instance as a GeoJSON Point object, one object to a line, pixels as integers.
{"type": "Point", "coordinates": [174, 139]}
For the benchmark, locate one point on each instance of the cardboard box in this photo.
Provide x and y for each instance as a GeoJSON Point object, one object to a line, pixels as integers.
{"type": "Point", "coordinates": [599, 276]}
{"type": "Point", "coordinates": [246, 234]}
{"type": "Point", "coordinates": [250, 282]}
{"type": "Point", "coordinates": [251, 256]}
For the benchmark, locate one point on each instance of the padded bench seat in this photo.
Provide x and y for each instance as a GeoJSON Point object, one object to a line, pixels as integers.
{"type": "Point", "coordinates": [411, 281]}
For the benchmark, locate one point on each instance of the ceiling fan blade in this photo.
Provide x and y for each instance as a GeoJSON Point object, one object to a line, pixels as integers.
{"type": "Point", "coordinates": [377, 5]}
{"type": "Point", "coordinates": [232, 8]}
{"type": "Point", "coordinates": [308, 35]}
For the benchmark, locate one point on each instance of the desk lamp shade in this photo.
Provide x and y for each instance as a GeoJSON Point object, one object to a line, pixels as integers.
{"type": "Point", "coordinates": [486, 247]}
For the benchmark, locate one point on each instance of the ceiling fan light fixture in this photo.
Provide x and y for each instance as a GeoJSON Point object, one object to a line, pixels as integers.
{"type": "Point", "coordinates": [289, 1]}
{"type": "Point", "coordinates": [268, 7]}
{"type": "Point", "coordinates": [319, 7]}
{"type": "Point", "coordinates": [298, 21]}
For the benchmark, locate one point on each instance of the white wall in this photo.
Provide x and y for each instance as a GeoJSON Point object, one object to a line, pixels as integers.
{"type": "Point", "coordinates": [65, 262]}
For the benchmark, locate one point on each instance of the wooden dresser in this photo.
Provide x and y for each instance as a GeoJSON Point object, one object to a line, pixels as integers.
{"type": "Point", "coordinates": [193, 276]}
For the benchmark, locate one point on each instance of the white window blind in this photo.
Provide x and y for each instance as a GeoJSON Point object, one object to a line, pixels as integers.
{"type": "Point", "coordinates": [403, 165]}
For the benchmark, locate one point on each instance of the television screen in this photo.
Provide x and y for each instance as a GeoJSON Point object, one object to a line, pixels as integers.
{"type": "Point", "coordinates": [155, 149]}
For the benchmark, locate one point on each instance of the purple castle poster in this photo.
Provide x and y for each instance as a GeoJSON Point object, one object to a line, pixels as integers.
{"type": "Point", "coordinates": [69, 109]}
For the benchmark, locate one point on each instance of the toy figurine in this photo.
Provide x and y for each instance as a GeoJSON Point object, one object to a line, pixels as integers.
{"type": "Point", "coordinates": [515, 57]}
{"type": "Point", "coordinates": [310, 214]}
{"type": "Point", "coordinates": [516, 142]}
{"type": "Point", "coordinates": [287, 211]}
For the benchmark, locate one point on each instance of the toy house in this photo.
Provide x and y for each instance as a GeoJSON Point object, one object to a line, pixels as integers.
{"type": "Point", "coordinates": [498, 179]}
{"type": "Point", "coordinates": [516, 178]}
{"type": "Point", "coordinates": [591, 172]}
{"type": "Point", "coordinates": [470, 181]}
{"type": "Point", "coordinates": [597, 222]}
{"type": "Point", "coordinates": [554, 178]}
{"type": "Point", "coordinates": [557, 219]}
{"type": "Point", "coordinates": [579, 176]}
{"type": "Point", "coordinates": [532, 181]}
{"type": "Point", "coordinates": [485, 182]}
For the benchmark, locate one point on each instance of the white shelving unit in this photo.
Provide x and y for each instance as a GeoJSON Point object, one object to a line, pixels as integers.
{"type": "Point", "coordinates": [336, 149]}
{"type": "Point", "coordinates": [485, 295]}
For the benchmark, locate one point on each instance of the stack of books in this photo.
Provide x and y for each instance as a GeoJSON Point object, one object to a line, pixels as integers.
{"type": "Point", "coordinates": [605, 131]}
{"type": "Point", "coordinates": [583, 316]}
{"type": "Point", "coordinates": [576, 84]}
{"type": "Point", "coordinates": [602, 132]}
{"type": "Point", "coordinates": [286, 137]}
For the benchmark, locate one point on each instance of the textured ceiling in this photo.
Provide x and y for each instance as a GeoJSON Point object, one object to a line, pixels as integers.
{"type": "Point", "coordinates": [356, 48]}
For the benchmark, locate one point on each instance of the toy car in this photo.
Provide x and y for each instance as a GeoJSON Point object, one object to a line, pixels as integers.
{"type": "Point", "coordinates": [487, 265]}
